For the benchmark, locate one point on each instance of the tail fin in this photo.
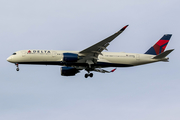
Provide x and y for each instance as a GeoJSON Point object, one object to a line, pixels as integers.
{"type": "Point", "coordinates": [160, 46]}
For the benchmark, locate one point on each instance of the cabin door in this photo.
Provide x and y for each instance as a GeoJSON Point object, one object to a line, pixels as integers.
{"type": "Point", "coordinates": [137, 57]}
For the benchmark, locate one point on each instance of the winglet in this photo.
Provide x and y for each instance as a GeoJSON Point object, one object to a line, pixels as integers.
{"type": "Point", "coordinates": [113, 70]}
{"type": "Point", "coordinates": [124, 28]}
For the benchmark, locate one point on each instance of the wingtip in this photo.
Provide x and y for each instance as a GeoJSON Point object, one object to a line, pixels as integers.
{"type": "Point", "coordinates": [124, 27]}
{"type": "Point", "coordinates": [113, 70]}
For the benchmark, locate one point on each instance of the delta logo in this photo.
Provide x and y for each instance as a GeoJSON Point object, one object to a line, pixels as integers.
{"type": "Point", "coordinates": [38, 51]}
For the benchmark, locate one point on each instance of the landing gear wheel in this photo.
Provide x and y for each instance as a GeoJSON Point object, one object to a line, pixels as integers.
{"type": "Point", "coordinates": [86, 75]}
{"type": "Point", "coordinates": [17, 69]}
{"type": "Point", "coordinates": [91, 74]}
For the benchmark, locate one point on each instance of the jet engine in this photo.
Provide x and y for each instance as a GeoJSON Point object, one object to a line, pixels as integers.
{"type": "Point", "coordinates": [70, 57]}
{"type": "Point", "coordinates": [68, 71]}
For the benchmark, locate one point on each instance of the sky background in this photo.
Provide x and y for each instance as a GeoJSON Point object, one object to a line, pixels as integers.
{"type": "Point", "coordinates": [147, 92]}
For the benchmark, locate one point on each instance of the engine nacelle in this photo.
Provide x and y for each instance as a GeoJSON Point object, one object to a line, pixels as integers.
{"type": "Point", "coordinates": [68, 71]}
{"type": "Point", "coordinates": [70, 57]}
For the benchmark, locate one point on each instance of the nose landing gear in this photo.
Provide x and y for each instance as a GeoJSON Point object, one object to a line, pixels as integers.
{"type": "Point", "coordinates": [17, 65]}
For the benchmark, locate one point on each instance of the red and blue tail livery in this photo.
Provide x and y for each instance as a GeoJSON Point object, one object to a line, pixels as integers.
{"type": "Point", "coordinates": [160, 46]}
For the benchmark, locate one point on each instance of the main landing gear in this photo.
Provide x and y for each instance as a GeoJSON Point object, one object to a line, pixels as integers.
{"type": "Point", "coordinates": [87, 74]}
{"type": "Point", "coordinates": [17, 65]}
{"type": "Point", "coordinates": [88, 69]}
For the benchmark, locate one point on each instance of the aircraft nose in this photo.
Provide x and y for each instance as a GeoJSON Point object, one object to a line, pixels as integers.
{"type": "Point", "coordinates": [9, 59]}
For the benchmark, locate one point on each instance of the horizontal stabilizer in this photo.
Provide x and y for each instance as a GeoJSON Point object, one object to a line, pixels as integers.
{"type": "Point", "coordinates": [163, 55]}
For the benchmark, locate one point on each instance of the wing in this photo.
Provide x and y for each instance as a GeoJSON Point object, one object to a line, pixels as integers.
{"type": "Point", "coordinates": [104, 71]}
{"type": "Point", "coordinates": [91, 53]}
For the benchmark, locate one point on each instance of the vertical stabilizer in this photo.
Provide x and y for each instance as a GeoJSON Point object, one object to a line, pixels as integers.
{"type": "Point", "coordinates": [160, 46]}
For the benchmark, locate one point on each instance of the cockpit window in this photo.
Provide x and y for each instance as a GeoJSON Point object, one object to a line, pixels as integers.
{"type": "Point", "coordinates": [14, 54]}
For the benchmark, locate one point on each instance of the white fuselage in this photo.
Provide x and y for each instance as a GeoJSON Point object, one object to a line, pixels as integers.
{"type": "Point", "coordinates": [55, 57]}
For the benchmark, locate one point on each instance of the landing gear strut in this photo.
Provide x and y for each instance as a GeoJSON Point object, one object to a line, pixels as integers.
{"type": "Point", "coordinates": [17, 65]}
{"type": "Point", "coordinates": [88, 69]}
{"type": "Point", "coordinates": [90, 75]}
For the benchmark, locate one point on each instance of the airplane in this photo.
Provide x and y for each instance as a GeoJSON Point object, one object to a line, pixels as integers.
{"type": "Point", "coordinates": [92, 58]}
